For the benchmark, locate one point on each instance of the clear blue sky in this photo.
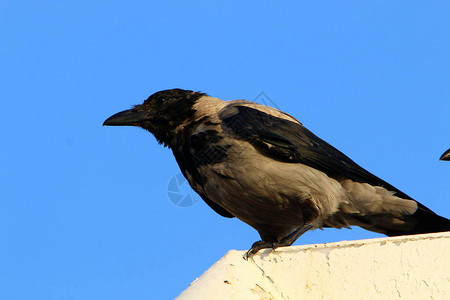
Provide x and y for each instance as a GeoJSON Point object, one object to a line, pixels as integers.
{"type": "Point", "coordinates": [84, 209]}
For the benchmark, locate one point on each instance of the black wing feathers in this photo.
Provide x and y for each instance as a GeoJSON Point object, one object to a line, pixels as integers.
{"type": "Point", "coordinates": [289, 141]}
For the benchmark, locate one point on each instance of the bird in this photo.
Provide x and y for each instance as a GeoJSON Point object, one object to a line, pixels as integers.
{"type": "Point", "coordinates": [446, 155]}
{"type": "Point", "coordinates": [262, 166]}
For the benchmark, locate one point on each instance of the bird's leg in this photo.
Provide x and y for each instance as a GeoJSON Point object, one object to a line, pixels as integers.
{"type": "Point", "coordinates": [286, 241]}
{"type": "Point", "coordinates": [293, 236]}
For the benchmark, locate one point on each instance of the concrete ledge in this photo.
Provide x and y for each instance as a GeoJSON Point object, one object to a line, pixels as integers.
{"type": "Point", "coordinates": [405, 267]}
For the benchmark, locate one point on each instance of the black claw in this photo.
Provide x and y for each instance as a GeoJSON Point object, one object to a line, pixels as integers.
{"type": "Point", "coordinates": [259, 245]}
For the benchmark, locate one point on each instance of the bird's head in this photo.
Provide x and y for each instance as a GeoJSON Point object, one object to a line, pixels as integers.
{"type": "Point", "coordinates": [160, 114]}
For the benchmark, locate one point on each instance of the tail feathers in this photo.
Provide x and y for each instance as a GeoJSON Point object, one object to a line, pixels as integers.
{"type": "Point", "coordinates": [423, 220]}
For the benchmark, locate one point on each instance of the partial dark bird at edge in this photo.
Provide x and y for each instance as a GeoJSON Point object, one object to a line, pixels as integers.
{"type": "Point", "coordinates": [446, 155]}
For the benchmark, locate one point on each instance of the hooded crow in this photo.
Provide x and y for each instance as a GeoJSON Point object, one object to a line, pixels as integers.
{"type": "Point", "coordinates": [261, 165]}
{"type": "Point", "coordinates": [446, 155]}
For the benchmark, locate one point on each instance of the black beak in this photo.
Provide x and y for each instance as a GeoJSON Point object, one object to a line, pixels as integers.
{"type": "Point", "coordinates": [126, 118]}
{"type": "Point", "coordinates": [446, 155]}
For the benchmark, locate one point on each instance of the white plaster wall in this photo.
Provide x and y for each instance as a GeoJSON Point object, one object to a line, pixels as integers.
{"type": "Point", "coordinates": [406, 267]}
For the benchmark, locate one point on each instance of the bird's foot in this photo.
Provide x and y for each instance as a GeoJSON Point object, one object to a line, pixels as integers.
{"type": "Point", "coordinates": [259, 245]}
{"type": "Point", "coordinates": [286, 241]}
